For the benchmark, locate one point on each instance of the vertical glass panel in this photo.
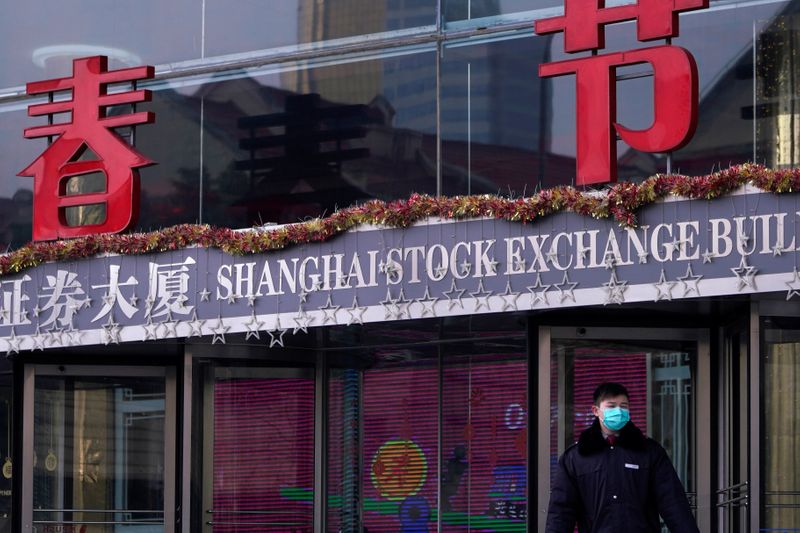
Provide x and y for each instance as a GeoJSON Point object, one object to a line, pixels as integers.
{"type": "Point", "coordinates": [383, 442]}
{"type": "Point", "coordinates": [39, 39]}
{"type": "Point", "coordinates": [16, 193]}
{"type": "Point", "coordinates": [498, 119]}
{"type": "Point", "coordinates": [660, 377]}
{"type": "Point", "coordinates": [721, 41]}
{"type": "Point", "coordinates": [262, 451]}
{"type": "Point", "coordinates": [483, 12]}
{"type": "Point", "coordinates": [255, 24]}
{"type": "Point", "coordinates": [98, 454]}
{"type": "Point", "coordinates": [170, 189]}
{"type": "Point", "coordinates": [484, 437]}
{"type": "Point", "coordinates": [777, 89]}
{"type": "Point", "coordinates": [284, 145]}
{"type": "Point", "coordinates": [780, 462]}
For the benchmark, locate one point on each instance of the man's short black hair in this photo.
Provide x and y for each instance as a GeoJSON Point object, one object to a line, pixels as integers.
{"type": "Point", "coordinates": [609, 389]}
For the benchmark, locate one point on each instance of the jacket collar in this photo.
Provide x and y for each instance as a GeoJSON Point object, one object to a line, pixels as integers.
{"type": "Point", "coordinates": [592, 441]}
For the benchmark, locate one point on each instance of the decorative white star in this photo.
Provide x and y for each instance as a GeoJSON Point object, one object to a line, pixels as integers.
{"type": "Point", "coordinates": [520, 265]}
{"type": "Point", "coordinates": [643, 257]}
{"type": "Point", "coordinates": [170, 326]}
{"type": "Point", "coordinates": [582, 254]}
{"type": "Point", "coordinates": [303, 296]}
{"type": "Point", "coordinates": [56, 337]}
{"type": "Point", "coordinates": [392, 270]}
{"type": "Point", "coordinates": [13, 343]}
{"type": "Point", "coordinates": [276, 335]}
{"type": "Point", "coordinates": [615, 290]}
{"type": "Point", "coordinates": [37, 311]}
{"type": "Point", "coordinates": [428, 303]}
{"type": "Point", "coordinates": [509, 298]}
{"type": "Point", "coordinates": [111, 330]}
{"type": "Point", "coordinates": [134, 300]}
{"type": "Point", "coordinates": [251, 300]}
{"type": "Point", "coordinates": [609, 260]}
{"type": "Point", "coordinates": [481, 297]}
{"type": "Point", "coordinates": [493, 264]}
{"type": "Point", "coordinates": [391, 310]}
{"type": "Point", "coordinates": [453, 301]}
{"type": "Point", "coordinates": [150, 330]}
{"type": "Point", "coordinates": [663, 287]}
{"type": "Point", "coordinates": [777, 250]}
{"type": "Point", "coordinates": [232, 297]}
{"type": "Point", "coordinates": [87, 303]}
{"type": "Point", "coordinates": [569, 292]}
{"type": "Point", "coordinates": [329, 311]}
{"type": "Point", "coordinates": [745, 275]}
{"type": "Point", "coordinates": [38, 340]}
{"type": "Point", "coordinates": [440, 271]}
{"type": "Point", "coordinates": [254, 326]}
{"type": "Point", "coordinates": [196, 325]}
{"type": "Point", "coordinates": [5, 314]}
{"type": "Point", "coordinates": [675, 246]}
{"type": "Point", "coordinates": [744, 239]}
{"type": "Point", "coordinates": [538, 296]}
{"type": "Point", "coordinates": [219, 332]}
{"type": "Point", "coordinates": [794, 285]}
{"type": "Point", "coordinates": [205, 294]}
{"type": "Point", "coordinates": [356, 313]}
{"type": "Point", "coordinates": [302, 320]}
{"type": "Point", "coordinates": [109, 299]}
{"type": "Point", "coordinates": [74, 336]}
{"type": "Point", "coordinates": [690, 281]}
{"type": "Point", "coordinates": [403, 304]}
{"type": "Point", "coordinates": [465, 267]}
{"type": "Point", "coordinates": [552, 255]}
{"type": "Point", "coordinates": [708, 256]}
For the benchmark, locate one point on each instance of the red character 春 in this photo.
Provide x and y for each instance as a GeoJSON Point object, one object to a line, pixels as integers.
{"type": "Point", "coordinates": [674, 80]}
{"type": "Point", "coordinates": [89, 128]}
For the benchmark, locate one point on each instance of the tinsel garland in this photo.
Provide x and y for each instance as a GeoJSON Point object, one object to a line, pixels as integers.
{"type": "Point", "coordinates": [620, 201]}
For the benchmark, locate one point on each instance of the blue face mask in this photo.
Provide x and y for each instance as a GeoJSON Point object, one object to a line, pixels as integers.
{"type": "Point", "coordinates": [615, 418]}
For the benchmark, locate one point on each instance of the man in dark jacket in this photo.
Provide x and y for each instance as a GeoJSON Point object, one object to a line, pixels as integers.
{"type": "Point", "coordinates": [615, 479]}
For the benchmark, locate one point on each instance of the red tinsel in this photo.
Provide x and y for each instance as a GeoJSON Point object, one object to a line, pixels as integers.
{"type": "Point", "coordinates": [620, 201]}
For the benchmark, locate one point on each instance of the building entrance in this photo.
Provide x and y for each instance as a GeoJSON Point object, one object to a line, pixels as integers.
{"type": "Point", "coordinates": [103, 451]}
{"type": "Point", "coordinates": [666, 373]}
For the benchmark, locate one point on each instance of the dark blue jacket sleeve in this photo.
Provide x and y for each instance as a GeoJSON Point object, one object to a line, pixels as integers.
{"type": "Point", "coordinates": [562, 512]}
{"type": "Point", "coordinates": [673, 506]}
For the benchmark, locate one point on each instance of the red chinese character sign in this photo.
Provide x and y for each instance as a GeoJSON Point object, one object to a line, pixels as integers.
{"type": "Point", "coordinates": [90, 128]}
{"type": "Point", "coordinates": [674, 80]}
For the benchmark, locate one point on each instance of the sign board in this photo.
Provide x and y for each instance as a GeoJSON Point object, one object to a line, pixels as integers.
{"type": "Point", "coordinates": [742, 243]}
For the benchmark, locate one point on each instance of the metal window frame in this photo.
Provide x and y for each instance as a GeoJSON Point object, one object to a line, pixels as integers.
{"type": "Point", "coordinates": [702, 443]}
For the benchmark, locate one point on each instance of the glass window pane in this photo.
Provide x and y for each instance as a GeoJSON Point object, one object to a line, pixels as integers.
{"type": "Point", "coordinates": [383, 446]}
{"type": "Point", "coordinates": [259, 24]}
{"type": "Point", "coordinates": [481, 12]}
{"type": "Point", "coordinates": [16, 193]}
{"type": "Point", "coordinates": [504, 129]}
{"type": "Point", "coordinates": [284, 145]}
{"type": "Point", "coordinates": [41, 38]}
{"type": "Point", "coordinates": [780, 466]}
{"type": "Point", "coordinates": [484, 441]}
{"type": "Point", "coordinates": [263, 450]}
{"type": "Point", "coordinates": [99, 453]}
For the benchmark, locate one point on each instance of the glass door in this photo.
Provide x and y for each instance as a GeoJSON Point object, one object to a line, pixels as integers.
{"type": "Point", "coordinates": [99, 449]}
{"type": "Point", "coordinates": [666, 374]}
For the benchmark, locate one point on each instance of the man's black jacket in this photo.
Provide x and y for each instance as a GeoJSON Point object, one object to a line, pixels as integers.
{"type": "Point", "coordinates": [618, 488]}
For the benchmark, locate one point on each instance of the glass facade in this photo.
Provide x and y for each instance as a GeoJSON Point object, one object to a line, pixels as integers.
{"type": "Point", "coordinates": [274, 112]}
{"type": "Point", "coordinates": [278, 113]}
